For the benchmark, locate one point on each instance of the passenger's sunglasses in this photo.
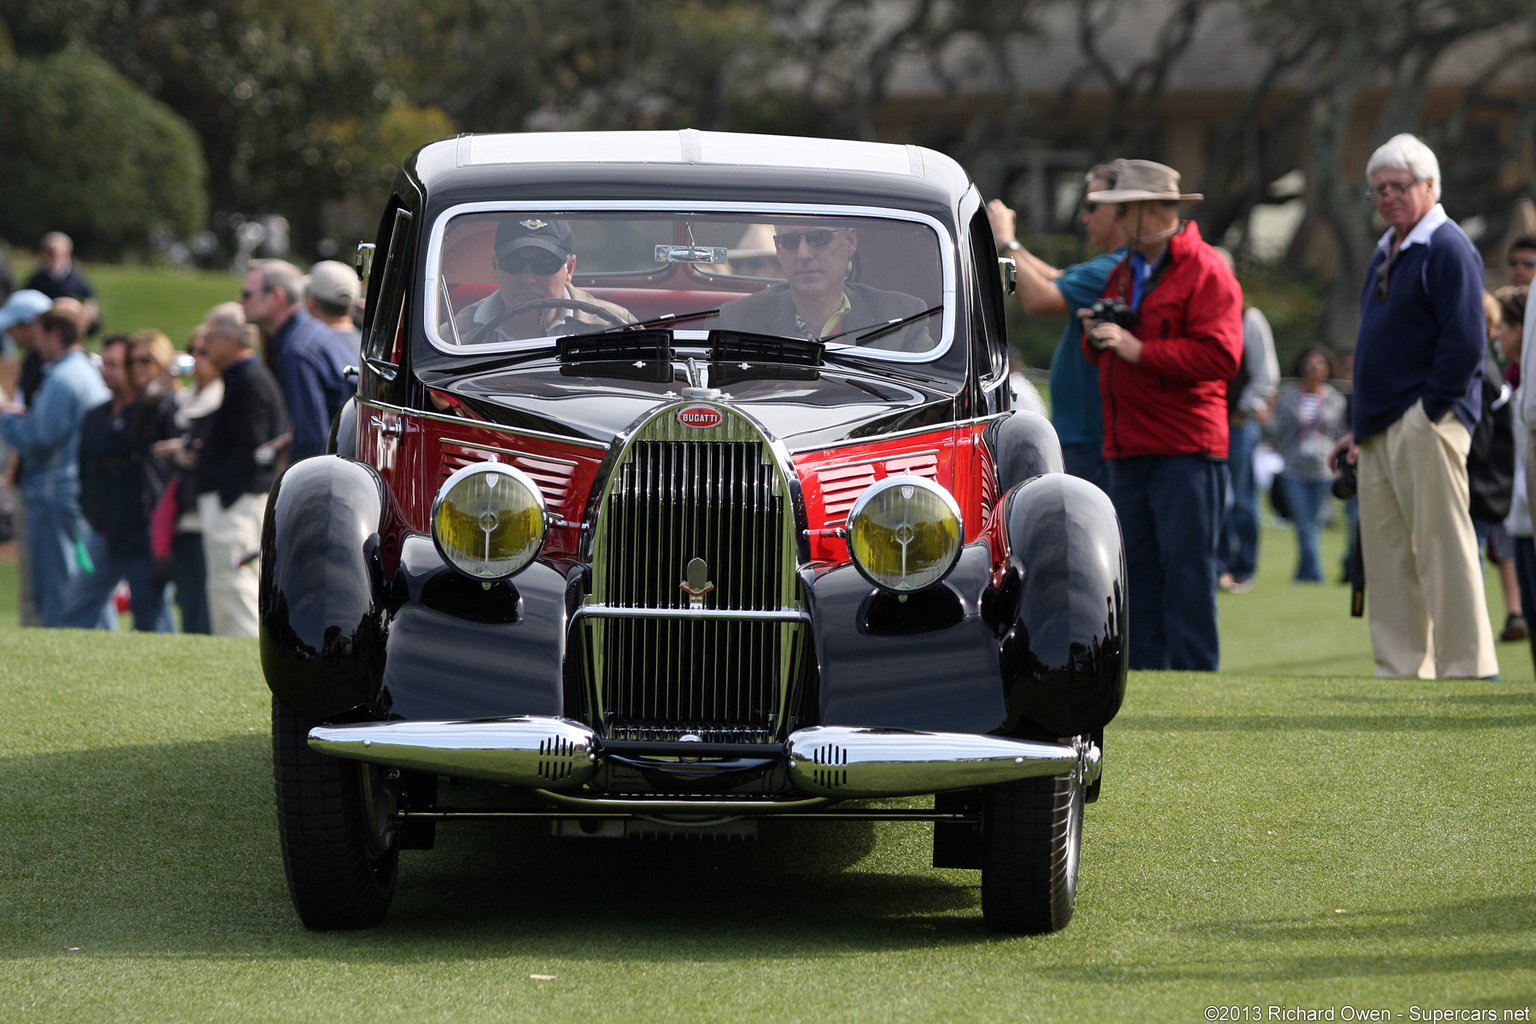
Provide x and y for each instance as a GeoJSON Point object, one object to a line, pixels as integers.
{"type": "Point", "coordinates": [1522, 261]}
{"type": "Point", "coordinates": [818, 239]}
{"type": "Point", "coordinates": [1377, 193]}
{"type": "Point", "coordinates": [542, 263]}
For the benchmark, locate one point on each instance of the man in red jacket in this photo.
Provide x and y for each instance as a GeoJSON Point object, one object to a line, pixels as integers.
{"type": "Point", "coordinates": [1162, 377]}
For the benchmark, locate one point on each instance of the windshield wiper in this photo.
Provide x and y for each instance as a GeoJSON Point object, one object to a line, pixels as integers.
{"type": "Point", "coordinates": [665, 318]}
{"type": "Point", "coordinates": [887, 328]}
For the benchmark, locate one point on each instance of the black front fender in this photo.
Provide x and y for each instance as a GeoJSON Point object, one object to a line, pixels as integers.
{"type": "Point", "coordinates": [1060, 607]}
{"type": "Point", "coordinates": [321, 577]}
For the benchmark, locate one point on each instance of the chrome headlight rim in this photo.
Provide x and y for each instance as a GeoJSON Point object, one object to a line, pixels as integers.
{"type": "Point", "coordinates": [450, 556]}
{"type": "Point", "coordinates": [875, 490]}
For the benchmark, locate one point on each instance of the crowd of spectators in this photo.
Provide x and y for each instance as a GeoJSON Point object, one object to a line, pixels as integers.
{"type": "Point", "coordinates": [143, 472]}
{"type": "Point", "coordinates": [1137, 406]}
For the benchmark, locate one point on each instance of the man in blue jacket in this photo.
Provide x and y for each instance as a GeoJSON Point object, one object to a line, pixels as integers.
{"type": "Point", "coordinates": [48, 436]}
{"type": "Point", "coordinates": [1417, 388]}
{"type": "Point", "coordinates": [1044, 290]}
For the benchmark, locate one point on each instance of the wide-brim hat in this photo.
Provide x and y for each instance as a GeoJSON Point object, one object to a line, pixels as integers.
{"type": "Point", "coordinates": [23, 307]}
{"type": "Point", "coordinates": [757, 240]}
{"type": "Point", "coordinates": [522, 232]}
{"type": "Point", "coordinates": [1144, 181]}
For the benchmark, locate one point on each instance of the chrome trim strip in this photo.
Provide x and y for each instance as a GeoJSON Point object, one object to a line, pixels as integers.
{"type": "Point", "coordinates": [484, 425]}
{"type": "Point", "coordinates": [608, 611]}
{"type": "Point", "coordinates": [912, 432]}
{"type": "Point", "coordinates": [840, 761]}
{"type": "Point", "coordinates": [949, 289]}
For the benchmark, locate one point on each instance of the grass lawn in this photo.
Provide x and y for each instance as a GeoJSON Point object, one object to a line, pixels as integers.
{"type": "Point", "coordinates": [170, 301]}
{"type": "Point", "coordinates": [1288, 832]}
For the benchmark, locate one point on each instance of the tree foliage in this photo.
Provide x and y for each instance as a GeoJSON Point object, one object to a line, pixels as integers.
{"type": "Point", "coordinates": [93, 156]}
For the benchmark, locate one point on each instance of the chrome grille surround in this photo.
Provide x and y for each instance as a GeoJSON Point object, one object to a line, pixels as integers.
{"type": "Point", "coordinates": [723, 657]}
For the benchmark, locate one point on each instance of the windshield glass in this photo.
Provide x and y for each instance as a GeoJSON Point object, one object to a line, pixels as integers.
{"type": "Point", "coordinates": [512, 279]}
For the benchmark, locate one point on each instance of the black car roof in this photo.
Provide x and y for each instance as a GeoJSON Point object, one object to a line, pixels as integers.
{"type": "Point", "coordinates": [686, 166]}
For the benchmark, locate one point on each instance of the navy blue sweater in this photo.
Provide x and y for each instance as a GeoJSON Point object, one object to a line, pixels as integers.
{"type": "Point", "coordinates": [1424, 341]}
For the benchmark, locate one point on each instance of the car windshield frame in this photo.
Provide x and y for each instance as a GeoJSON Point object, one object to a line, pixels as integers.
{"type": "Point", "coordinates": [433, 285]}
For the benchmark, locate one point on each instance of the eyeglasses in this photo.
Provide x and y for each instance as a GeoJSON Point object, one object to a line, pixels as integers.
{"type": "Point", "coordinates": [1522, 261]}
{"type": "Point", "coordinates": [542, 263]}
{"type": "Point", "coordinates": [818, 239]}
{"type": "Point", "coordinates": [246, 294]}
{"type": "Point", "coordinates": [142, 360]}
{"type": "Point", "coordinates": [1381, 278]}
{"type": "Point", "coordinates": [1377, 193]}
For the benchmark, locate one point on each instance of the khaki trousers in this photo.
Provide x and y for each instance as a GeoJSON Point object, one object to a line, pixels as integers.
{"type": "Point", "coordinates": [1424, 592]}
{"type": "Point", "coordinates": [229, 534]}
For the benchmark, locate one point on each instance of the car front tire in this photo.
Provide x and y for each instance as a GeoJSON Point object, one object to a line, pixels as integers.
{"type": "Point", "coordinates": [340, 845]}
{"type": "Point", "coordinates": [1032, 836]}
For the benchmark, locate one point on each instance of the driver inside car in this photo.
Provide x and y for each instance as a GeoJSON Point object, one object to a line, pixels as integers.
{"type": "Point", "coordinates": [533, 261]}
{"type": "Point", "coordinates": [818, 301]}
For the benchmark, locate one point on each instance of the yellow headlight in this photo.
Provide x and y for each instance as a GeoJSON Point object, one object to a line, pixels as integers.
{"type": "Point", "coordinates": [488, 521]}
{"type": "Point", "coordinates": [905, 533]}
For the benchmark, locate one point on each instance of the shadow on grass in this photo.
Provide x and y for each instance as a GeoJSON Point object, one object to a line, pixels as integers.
{"type": "Point", "coordinates": [171, 850]}
{"type": "Point", "coordinates": [1407, 940]}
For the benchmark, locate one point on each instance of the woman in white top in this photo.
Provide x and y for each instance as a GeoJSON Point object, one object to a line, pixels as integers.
{"type": "Point", "coordinates": [1309, 418]}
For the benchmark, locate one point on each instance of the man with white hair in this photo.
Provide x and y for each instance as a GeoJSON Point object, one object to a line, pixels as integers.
{"type": "Point", "coordinates": [1417, 399]}
{"type": "Point", "coordinates": [235, 468]}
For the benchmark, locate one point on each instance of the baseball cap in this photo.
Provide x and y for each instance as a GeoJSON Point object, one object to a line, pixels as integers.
{"type": "Point", "coordinates": [548, 233]}
{"type": "Point", "coordinates": [23, 307]}
{"type": "Point", "coordinates": [334, 282]}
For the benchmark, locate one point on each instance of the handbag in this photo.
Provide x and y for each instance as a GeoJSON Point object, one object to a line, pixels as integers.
{"type": "Point", "coordinates": [162, 522]}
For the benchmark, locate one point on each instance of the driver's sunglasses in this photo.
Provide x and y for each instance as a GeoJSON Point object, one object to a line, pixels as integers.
{"type": "Point", "coordinates": [542, 264]}
{"type": "Point", "coordinates": [818, 239]}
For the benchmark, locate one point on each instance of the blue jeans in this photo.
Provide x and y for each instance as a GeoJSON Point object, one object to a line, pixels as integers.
{"type": "Point", "coordinates": [1087, 462]}
{"type": "Point", "coordinates": [1170, 515]}
{"type": "Point", "coordinates": [1309, 499]}
{"type": "Point", "coordinates": [190, 574]}
{"type": "Point", "coordinates": [86, 603]}
{"type": "Point", "coordinates": [1238, 550]}
{"type": "Point", "coordinates": [53, 528]}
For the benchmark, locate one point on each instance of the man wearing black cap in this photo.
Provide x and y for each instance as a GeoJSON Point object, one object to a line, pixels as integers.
{"type": "Point", "coordinates": [534, 260]}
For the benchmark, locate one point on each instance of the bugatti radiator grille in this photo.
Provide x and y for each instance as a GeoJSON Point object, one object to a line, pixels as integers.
{"type": "Point", "coordinates": [694, 625]}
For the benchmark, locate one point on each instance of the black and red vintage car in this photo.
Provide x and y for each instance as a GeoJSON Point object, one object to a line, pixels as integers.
{"type": "Point", "coordinates": [683, 489]}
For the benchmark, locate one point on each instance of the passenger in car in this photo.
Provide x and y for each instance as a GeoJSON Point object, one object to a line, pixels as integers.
{"type": "Point", "coordinates": [533, 261]}
{"type": "Point", "coordinates": [817, 300]}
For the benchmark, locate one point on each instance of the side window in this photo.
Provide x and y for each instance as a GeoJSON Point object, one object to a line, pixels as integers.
{"type": "Point", "coordinates": [384, 344]}
{"type": "Point", "coordinates": [990, 344]}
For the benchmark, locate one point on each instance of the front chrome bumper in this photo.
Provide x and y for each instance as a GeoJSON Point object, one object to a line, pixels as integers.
{"type": "Point", "coordinates": [558, 755]}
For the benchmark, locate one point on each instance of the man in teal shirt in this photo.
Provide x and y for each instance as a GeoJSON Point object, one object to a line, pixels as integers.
{"type": "Point", "coordinates": [1044, 290]}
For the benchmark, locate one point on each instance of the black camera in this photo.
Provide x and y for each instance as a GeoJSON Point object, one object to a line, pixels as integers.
{"type": "Point", "coordinates": [1111, 311]}
{"type": "Point", "coordinates": [1347, 481]}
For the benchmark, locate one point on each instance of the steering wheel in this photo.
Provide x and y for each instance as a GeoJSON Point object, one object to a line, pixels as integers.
{"type": "Point", "coordinates": [532, 305]}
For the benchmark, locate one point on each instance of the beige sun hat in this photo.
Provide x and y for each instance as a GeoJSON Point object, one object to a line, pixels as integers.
{"type": "Point", "coordinates": [1142, 181]}
{"type": "Point", "coordinates": [757, 240]}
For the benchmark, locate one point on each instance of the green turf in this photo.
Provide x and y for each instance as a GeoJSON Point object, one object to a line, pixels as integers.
{"type": "Point", "coordinates": [173, 302]}
{"type": "Point", "coordinates": [1298, 840]}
